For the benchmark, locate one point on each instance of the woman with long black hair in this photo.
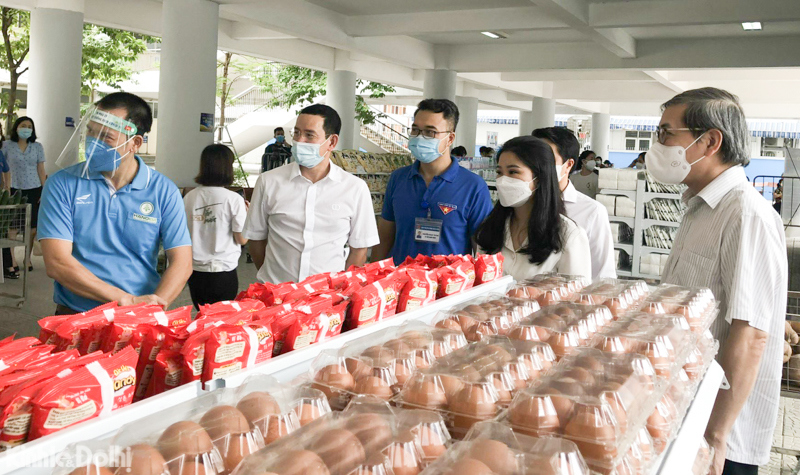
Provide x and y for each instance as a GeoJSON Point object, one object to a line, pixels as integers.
{"type": "Point", "coordinates": [528, 224]}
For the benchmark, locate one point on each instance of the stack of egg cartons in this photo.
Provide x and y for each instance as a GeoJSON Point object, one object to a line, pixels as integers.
{"type": "Point", "coordinates": [653, 264]}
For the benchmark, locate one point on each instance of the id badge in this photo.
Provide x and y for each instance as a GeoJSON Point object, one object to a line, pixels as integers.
{"type": "Point", "coordinates": [427, 230]}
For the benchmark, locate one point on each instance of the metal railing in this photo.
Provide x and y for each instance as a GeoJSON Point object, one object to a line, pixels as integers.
{"type": "Point", "coordinates": [782, 192]}
{"type": "Point", "coordinates": [390, 138]}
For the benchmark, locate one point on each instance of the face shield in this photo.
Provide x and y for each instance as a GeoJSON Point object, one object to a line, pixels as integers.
{"type": "Point", "coordinates": [98, 143]}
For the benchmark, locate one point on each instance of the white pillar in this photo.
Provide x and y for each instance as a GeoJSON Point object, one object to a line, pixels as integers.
{"type": "Point", "coordinates": [187, 87]}
{"type": "Point", "coordinates": [341, 95]}
{"type": "Point", "coordinates": [439, 84]}
{"type": "Point", "coordinates": [467, 129]}
{"type": "Point", "coordinates": [601, 134]}
{"type": "Point", "coordinates": [543, 112]}
{"type": "Point", "coordinates": [54, 77]}
{"type": "Point", "coordinates": [356, 134]}
{"type": "Point", "coordinates": [525, 122]}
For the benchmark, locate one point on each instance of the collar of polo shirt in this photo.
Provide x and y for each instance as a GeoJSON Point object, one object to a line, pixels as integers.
{"type": "Point", "coordinates": [335, 173]}
{"type": "Point", "coordinates": [713, 193]}
{"type": "Point", "coordinates": [449, 175]}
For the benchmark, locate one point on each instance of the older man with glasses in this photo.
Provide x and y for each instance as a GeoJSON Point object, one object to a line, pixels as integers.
{"type": "Point", "coordinates": [433, 206]}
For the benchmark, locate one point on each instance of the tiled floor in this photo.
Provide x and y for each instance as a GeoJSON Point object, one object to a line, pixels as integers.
{"type": "Point", "coordinates": [40, 298]}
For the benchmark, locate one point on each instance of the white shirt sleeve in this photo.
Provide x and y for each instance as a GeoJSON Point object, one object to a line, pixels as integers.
{"type": "Point", "coordinates": [576, 259]}
{"type": "Point", "coordinates": [238, 214]}
{"type": "Point", "coordinates": [256, 226]}
{"type": "Point", "coordinates": [602, 246]}
{"type": "Point", "coordinates": [363, 227]}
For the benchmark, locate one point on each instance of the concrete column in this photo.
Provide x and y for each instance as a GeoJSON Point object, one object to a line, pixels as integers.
{"type": "Point", "coordinates": [601, 134]}
{"type": "Point", "coordinates": [342, 97]}
{"type": "Point", "coordinates": [356, 134]}
{"type": "Point", "coordinates": [54, 77]}
{"type": "Point", "coordinates": [439, 84]}
{"type": "Point", "coordinates": [467, 129]}
{"type": "Point", "coordinates": [525, 122]}
{"type": "Point", "coordinates": [187, 87]}
{"type": "Point", "coordinates": [544, 113]}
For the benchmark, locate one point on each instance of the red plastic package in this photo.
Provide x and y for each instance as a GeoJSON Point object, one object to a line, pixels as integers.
{"type": "Point", "coordinates": [231, 348]}
{"type": "Point", "coordinates": [258, 291]}
{"type": "Point", "coordinates": [376, 301]}
{"type": "Point", "coordinates": [488, 267]}
{"type": "Point", "coordinates": [92, 391]}
{"type": "Point", "coordinates": [373, 267]}
{"type": "Point", "coordinates": [49, 325]}
{"type": "Point", "coordinates": [128, 328]}
{"type": "Point", "coordinates": [420, 289]}
{"type": "Point", "coordinates": [13, 361]}
{"type": "Point", "coordinates": [315, 327]}
{"type": "Point", "coordinates": [37, 367]}
{"type": "Point", "coordinates": [341, 280]}
{"type": "Point", "coordinates": [152, 341]}
{"type": "Point", "coordinates": [83, 332]}
{"type": "Point", "coordinates": [280, 318]}
{"type": "Point", "coordinates": [453, 280]}
{"type": "Point", "coordinates": [19, 345]}
{"type": "Point", "coordinates": [167, 372]}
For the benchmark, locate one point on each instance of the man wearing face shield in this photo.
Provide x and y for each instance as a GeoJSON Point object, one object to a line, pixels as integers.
{"type": "Point", "coordinates": [731, 241]}
{"type": "Point", "coordinates": [105, 214]}
{"type": "Point", "coordinates": [433, 206]}
{"type": "Point", "coordinates": [304, 213]}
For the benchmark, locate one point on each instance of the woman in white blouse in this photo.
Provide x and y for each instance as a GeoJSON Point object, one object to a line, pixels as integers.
{"type": "Point", "coordinates": [528, 224]}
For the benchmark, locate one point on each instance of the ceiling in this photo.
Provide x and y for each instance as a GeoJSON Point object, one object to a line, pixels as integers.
{"type": "Point", "coordinates": [624, 57]}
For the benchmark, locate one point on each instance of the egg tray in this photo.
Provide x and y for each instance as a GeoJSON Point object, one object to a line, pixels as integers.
{"type": "Point", "coordinates": [620, 297]}
{"type": "Point", "coordinates": [548, 289]}
{"type": "Point", "coordinates": [491, 447]}
{"type": "Point", "coordinates": [615, 407]}
{"type": "Point", "coordinates": [492, 315]}
{"type": "Point", "coordinates": [411, 338]}
{"type": "Point", "coordinates": [564, 326]}
{"type": "Point", "coordinates": [704, 458]}
{"type": "Point", "coordinates": [697, 305]}
{"type": "Point", "coordinates": [77, 458]}
{"type": "Point", "coordinates": [369, 436]}
{"type": "Point", "coordinates": [474, 383]}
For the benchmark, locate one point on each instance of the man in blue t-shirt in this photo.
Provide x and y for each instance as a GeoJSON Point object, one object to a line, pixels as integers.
{"type": "Point", "coordinates": [102, 220]}
{"type": "Point", "coordinates": [433, 206]}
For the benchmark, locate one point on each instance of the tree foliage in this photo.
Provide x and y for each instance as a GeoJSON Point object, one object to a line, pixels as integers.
{"type": "Point", "coordinates": [15, 26]}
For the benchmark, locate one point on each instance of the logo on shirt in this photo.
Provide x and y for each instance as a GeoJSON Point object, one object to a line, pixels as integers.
{"type": "Point", "coordinates": [447, 208]}
{"type": "Point", "coordinates": [145, 219]}
{"type": "Point", "coordinates": [83, 200]}
{"type": "Point", "coordinates": [146, 208]}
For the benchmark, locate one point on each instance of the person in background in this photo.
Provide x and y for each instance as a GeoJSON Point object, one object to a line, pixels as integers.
{"type": "Point", "coordinates": [276, 153]}
{"type": "Point", "coordinates": [25, 158]}
{"type": "Point", "coordinates": [584, 156]}
{"type": "Point", "coordinates": [639, 162]}
{"type": "Point", "coordinates": [585, 180]}
{"type": "Point", "coordinates": [303, 213]}
{"type": "Point", "coordinates": [590, 215]}
{"type": "Point", "coordinates": [731, 241]}
{"type": "Point", "coordinates": [105, 219]}
{"type": "Point", "coordinates": [777, 196]}
{"type": "Point", "coordinates": [433, 206]}
{"type": "Point", "coordinates": [608, 164]}
{"type": "Point", "coordinates": [458, 152]}
{"type": "Point", "coordinates": [487, 152]}
{"type": "Point", "coordinates": [528, 224]}
{"type": "Point", "coordinates": [10, 268]}
{"type": "Point", "coordinates": [216, 218]}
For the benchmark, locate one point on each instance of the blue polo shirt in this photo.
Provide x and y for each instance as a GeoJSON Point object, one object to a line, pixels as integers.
{"type": "Point", "coordinates": [114, 233]}
{"type": "Point", "coordinates": [458, 197]}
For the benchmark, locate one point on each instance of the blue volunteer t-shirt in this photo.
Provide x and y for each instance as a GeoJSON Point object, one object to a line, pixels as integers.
{"type": "Point", "coordinates": [114, 233]}
{"type": "Point", "coordinates": [458, 197]}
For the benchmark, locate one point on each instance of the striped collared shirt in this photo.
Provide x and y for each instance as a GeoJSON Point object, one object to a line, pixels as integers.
{"type": "Point", "coordinates": [733, 242]}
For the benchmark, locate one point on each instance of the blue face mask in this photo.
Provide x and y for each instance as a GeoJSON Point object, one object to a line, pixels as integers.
{"type": "Point", "coordinates": [307, 154]}
{"type": "Point", "coordinates": [279, 139]}
{"type": "Point", "coordinates": [424, 149]}
{"type": "Point", "coordinates": [100, 156]}
{"type": "Point", "coordinates": [24, 133]}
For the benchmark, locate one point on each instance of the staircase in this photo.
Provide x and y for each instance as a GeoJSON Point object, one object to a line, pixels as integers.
{"type": "Point", "coordinates": [387, 133]}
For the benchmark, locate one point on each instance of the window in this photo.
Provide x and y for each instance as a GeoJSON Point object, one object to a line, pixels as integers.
{"type": "Point", "coordinates": [638, 141]}
{"type": "Point", "coordinates": [630, 133]}
{"type": "Point", "coordinates": [644, 145]}
{"type": "Point", "coordinates": [630, 144]}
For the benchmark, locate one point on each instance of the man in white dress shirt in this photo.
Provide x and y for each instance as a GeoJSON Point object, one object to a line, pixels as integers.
{"type": "Point", "coordinates": [303, 214]}
{"type": "Point", "coordinates": [590, 215]}
{"type": "Point", "coordinates": [733, 242]}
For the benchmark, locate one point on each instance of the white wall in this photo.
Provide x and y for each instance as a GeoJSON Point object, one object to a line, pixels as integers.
{"type": "Point", "coordinates": [505, 132]}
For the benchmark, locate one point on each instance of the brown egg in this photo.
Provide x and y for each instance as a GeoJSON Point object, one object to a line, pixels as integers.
{"type": "Point", "coordinates": [659, 423]}
{"type": "Point", "coordinates": [143, 460]}
{"type": "Point", "coordinates": [432, 443]}
{"type": "Point", "coordinates": [476, 310]}
{"type": "Point", "coordinates": [91, 470]}
{"type": "Point", "coordinates": [307, 413]}
{"type": "Point", "coordinates": [403, 459]}
{"type": "Point", "coordinates": [495, 455]}
{"type": "Point", "coordinates": [416, 340]}
{"type": "Point", "coordinates": [534, 292]}
{"type": "Point", "coordinates": [591, 363]}
{"type": "Point", "coordinates": [403, 369]}
{"type": "Point", "coordinates": [617, 306]}
{"type": "Point", "coordinates": [373, 352]}
{"type": "Point", "coordinates": [615, 344]}
{"type": "Point", "coordinates": [474, 403]}
{"type": "Point", "coordinates": [372, 430]}
{"type": "Point", "coordinates": [374, 386]}
{"type": "Point", "coordinates": [521, 374]}
{"type": "Point", "coordinates": [610, 393]}
{"type": "Point", "coordinates": [340, 449]}
{"type": "Point", "coordinates": [333, 377]}
{"type": "Point", "coordinates": [224, 420]}
{"type": "Point", "coordinates": [469, 467]}
{"type": "Point", "coordinates": [277, 428]}
{"type": "Point", "coordinates": [448, 323]}
{"type": "Point", "coordinates": [535, 416]}
{"type": "Point", "coordinates": [425, 393]}
{"type": "Point", "coordinates": [238, 448]}
{"type": "Point", "coordinates": [357, 367]}
{"type": "Point", "coordinates": [501, 386]}
{"type": "Point", "coordinates": [451, 385]}
{"type": "Point", "coordinates": [563, 343]}
{"type": "Point", "coordinates": [581, 375]}
{"type": "Point", "coordinates": [184, 438]}
{"type": "Point", "coordinates": [518, 293]}
{"type": "Point", "coordinates": [398, 347]}
{"type": "Point", "coordinates": [496, 353]}
{"type": "Point", "coordinates": [301, 462]}
{"type": "Point", "coordinates": [257, 406]}
{"type": "Point", "coordinates": [592, 432]}
{"type": "Point", "coordinates": [525, 333]}
{"type": "Point", "coordinates": [466, 372]}
{"type": "Point", "coordinates": [192, 468]}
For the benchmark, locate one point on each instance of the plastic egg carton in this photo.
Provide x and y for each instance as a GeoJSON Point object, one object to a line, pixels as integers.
{"type": "Point", "coordinates": [620, 296]}
{"type": "Point", "coordinates": [564, 326]}
{"type": "Point", "coordinates": [598, 401]}
{"type": "Point", "coordinates": [704, 458]}
{"type": "Point", "coordinates": [493, 448]}
{"type": "Point", "coordinates": [696, 304]}
{"type": "Point", "coordinates": [368, 437]}
{"type": "Point", "coordinates": [474, 383]}
{"type": "Point", "coordinates": [491, 315]}
{"type": "Point", "coordinates": [548, 289]}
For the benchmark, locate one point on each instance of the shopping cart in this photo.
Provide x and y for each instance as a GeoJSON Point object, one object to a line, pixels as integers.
{"type": "Point", "coordinates": [15, 231]}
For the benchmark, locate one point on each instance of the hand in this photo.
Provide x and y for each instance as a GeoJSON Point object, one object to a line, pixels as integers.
{"type": "Point", "coordinates": [151, 299]}
{"type": "Point", "coordinates": [246, 205]}
{"type": "Point", "coordinates": [720, 451]}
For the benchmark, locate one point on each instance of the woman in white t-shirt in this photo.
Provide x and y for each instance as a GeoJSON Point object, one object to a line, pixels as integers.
{"type": "Point", "coordinates": [528, 224]}
{"type": "Point", "coordinates": [216, 217]}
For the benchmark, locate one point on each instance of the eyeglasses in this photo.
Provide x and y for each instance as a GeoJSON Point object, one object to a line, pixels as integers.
{"type": "Point", "coordinates": [663, 132]}
{"type": "Point", "coordinates": [427, 133]}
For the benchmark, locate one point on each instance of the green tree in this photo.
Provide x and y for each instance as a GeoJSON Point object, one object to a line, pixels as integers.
{"type": "Point", "coordinates": [15, 26]}
{"type": "Point", "coordinates": [295, 85]}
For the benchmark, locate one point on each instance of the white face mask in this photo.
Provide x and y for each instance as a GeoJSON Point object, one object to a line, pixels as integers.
{"type": "Point", "coordinates": [668, 164]}
{"type": "Point", "coordinates": [560, 172]}
{"type": "Point", "coordinates": [512, 192]}
{"type": "Point", "coordinates": [591, 165]}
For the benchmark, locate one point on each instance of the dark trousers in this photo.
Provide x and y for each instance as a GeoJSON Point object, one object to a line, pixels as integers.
{"type": "Point", "coordinates": [64, 310]}
{"type": "Point", "coordinates": [212, 287]}
{"type": "Point", "coordinates": [736, 468]}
